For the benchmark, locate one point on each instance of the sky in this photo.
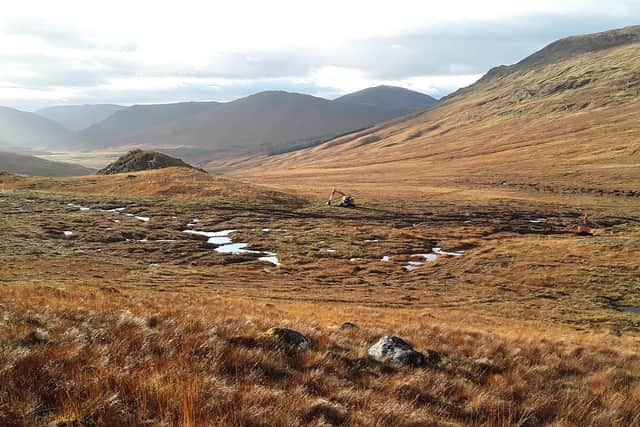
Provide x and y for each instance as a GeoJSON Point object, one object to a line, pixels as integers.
{"type": "Point", "coordinates": [134, 52]}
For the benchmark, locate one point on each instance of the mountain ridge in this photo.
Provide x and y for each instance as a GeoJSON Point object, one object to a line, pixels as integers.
{"type": "Point", "coordinates": [78, 117]}
{"type": "Point", "coordinates": [266, 122]}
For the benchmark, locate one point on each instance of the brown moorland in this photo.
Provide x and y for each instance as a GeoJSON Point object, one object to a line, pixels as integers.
{"type": "Point", "coordinates": [113, 315]}
{"type": "Point", "coordinates": [462, 243]}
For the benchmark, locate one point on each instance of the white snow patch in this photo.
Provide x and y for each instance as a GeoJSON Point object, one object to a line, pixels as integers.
{"type": "Point", "coordinates": [82, 208]}
{"type": "Point", "coordinates": [235, 249]}
{"type": "Point", "coordinates": [412, 265]}
{"type": "Point", "coordinates": [114, 210]}
{"type": "Point", "coordinates": [215, 237]}
{"type": "Point", "coordinates": [439, 251]}
{"type": "Point", "coordinates": [67, 233]}
{"type": "Point", "coordinates": [538, 221]}
{"type": "Point", "coordinates": [143, 218]}
{"type": "Point", "coordinates": [271, 258]}
{"type": "Point", "coordinates": [427, 257]}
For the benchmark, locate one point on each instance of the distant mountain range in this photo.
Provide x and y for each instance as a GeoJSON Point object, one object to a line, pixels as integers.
{"type": "Point", "coordinates": [265, 123]}
{"type": "Point", "coordinates": [78, 117]}
{"type": "Point", "coordinates": [30, 165]}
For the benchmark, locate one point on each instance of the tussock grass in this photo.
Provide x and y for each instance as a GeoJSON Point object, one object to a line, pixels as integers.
{"type": "Point", "coordinates": [140, 357]}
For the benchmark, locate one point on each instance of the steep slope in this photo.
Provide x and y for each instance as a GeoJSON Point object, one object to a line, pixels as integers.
{"type": "Point", "coordinates": [547, 123]}
{"type": "Point", "coordinates": [390, 97]}
{"type": "Point", "coordinates": [78, 117]}
{"type": "Point", "coordinates": [30, 165]}
{"type": "Point", "coordinates": [20, 130]}
{"type": "Point", "coordinates": [269, 122]}
{"type": "Point", "coordinates": [125, 125]}
{"type": "Point", "coordinates": [140, 160]}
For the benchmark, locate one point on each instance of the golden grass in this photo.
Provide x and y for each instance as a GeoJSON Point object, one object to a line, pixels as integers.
{"type": "Point", "coordinates": [136, 357]}
{"type": "Point", "coordinates": [100, 330]}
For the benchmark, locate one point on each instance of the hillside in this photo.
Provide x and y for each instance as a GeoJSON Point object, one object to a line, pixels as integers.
{"type": "Point", "coordinates": [130, 124]}
{"type": "Point", "coordinates": [391, 98]}
{"type": "Point", "coordinates": [30, 165]}
{"type": "Point", "coordinates": [140, 160]}
{"type": "Point", "coordinates": [563, 120]}
{"type": "Point", "coordinates": [20, 130]}
{"type": "Point", "coordinates": [269, 122]}
{"type": "Point", "coordinates": [78, 117]}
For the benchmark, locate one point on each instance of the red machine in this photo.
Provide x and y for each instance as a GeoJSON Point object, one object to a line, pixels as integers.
{"type": "Point", "coordinates": [347, 201]}
{"type": "Point", "coordinates": [584, 229]}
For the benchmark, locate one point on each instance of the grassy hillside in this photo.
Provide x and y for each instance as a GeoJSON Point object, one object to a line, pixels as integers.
{"type": "Point", "coordinates": [566, 124]}
{"type": "Point", "coordinates": [30, 165]}
{"type": "Point", "coordinates": [135, 120]}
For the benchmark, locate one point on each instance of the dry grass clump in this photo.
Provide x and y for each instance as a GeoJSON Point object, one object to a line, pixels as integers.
{"type": "Point", "coordinates": [91, 357]}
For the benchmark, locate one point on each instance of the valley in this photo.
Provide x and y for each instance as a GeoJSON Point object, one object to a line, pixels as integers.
{"type": "Point", "coordinates": [488, 273]}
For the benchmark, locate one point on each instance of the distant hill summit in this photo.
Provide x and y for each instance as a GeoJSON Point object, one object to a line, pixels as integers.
{"type": "Point", "coordinates": [141, 160]}
{"type": "Point", "coordinates": [35, 166]}
{"type": "Point", "coordinates": [391, 98]}
{"type": "Point", "coordinates": [78, 117]}
{"type": "Point", "coordinates": [563, 50]}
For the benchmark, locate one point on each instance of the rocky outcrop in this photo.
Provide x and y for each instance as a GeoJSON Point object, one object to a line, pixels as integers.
{"type": "Point", "coordinates": [140, 160]}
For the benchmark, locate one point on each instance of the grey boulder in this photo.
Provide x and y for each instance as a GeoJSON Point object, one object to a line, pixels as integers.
{"type": "Point", "coordinates": [393, 349]}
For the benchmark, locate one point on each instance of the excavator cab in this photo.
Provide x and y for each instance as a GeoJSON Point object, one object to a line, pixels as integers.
{"type": "Point", "coordinates": [347, 202]}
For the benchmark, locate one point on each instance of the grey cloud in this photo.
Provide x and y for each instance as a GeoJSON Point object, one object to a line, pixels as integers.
{"type": "Point", "coordinates": [61, 36]}
{"type": "Point", "coordinates": [467, 48]}
{"type": "Point", "coordinates": [463, 48]}
{"type": "Point", "coordinates": [46, 71]}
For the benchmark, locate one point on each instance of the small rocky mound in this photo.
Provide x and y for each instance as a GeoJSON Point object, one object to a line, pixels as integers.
{"type": "Point", "coordinates": [141, 160]}
{"type": "Point", "coordinates": [289, 338]}
{"type": "Point", "coordinates": [396, 350]}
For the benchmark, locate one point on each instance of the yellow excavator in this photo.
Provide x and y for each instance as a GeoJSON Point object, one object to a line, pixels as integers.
{"type": "Point", "coordinates": [346, 201]}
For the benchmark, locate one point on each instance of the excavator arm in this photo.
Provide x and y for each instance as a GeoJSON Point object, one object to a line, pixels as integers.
{"type": "Point", "coordinates": [346, 201]}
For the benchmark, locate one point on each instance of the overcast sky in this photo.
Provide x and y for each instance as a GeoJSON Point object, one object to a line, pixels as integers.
{"type": "Point", "coordinates": [134, 51]}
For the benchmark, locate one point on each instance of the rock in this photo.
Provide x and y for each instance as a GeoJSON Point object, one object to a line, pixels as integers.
{"type": "Point", "coordinates": [348, 325]}
{"type": "Point", "coordinates": [289, 337]}
{"type": "Point", "coordinates": [396, 350]}
{"type": "Point", "coordinates": [39, 336]}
